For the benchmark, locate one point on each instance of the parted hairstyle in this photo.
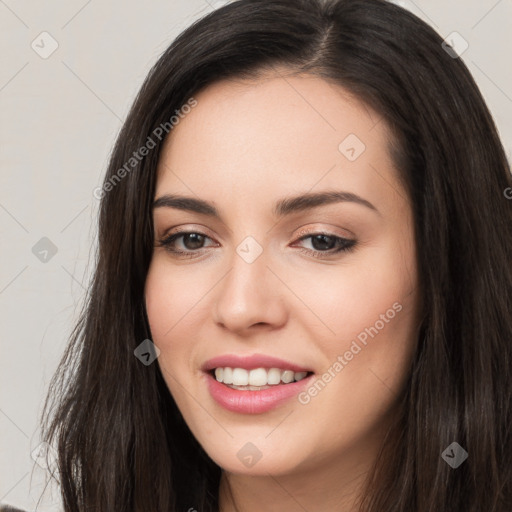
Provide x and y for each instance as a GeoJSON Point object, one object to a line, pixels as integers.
{"type": "Point", "coordinates": [122, 443]}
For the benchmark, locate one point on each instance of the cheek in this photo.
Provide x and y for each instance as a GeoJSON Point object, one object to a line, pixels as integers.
{"type": "Point", "coordinates": [371, 312]}
{"type": "Point", "coordinates": [371, 287]}
{"type": "Point", "coordinates": [170, 301]}
{"type": "Point", "coordinates": [173, 300]}
{"type": "Point", "coordinates": [178, 306]}
{"type": "Point", "coordinates": [367, 361]}
{"type": "Point", "coordinates": [378, 334]}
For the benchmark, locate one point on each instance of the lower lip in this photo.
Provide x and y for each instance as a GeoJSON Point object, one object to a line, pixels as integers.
{"type": "Point", "coordinates": [254, 402]}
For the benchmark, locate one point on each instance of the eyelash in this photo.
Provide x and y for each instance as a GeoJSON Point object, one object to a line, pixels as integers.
{"type": "Point", "coordinates": [346, 245]}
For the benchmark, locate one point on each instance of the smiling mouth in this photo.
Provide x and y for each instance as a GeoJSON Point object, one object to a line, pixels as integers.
{"type": "Point", "coordinates": [257, 378]}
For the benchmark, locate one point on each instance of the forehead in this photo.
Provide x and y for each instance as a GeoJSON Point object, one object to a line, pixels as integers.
{"type": "Point", "coordinates": [275, 133]}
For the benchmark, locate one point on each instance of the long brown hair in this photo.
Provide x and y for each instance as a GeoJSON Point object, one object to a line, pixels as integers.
{"type": "Point", "coordinates": [122, 443]}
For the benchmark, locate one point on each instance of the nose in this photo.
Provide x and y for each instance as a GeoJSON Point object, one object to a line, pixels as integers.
{"type": "Point", "coordinates": [249, 298]}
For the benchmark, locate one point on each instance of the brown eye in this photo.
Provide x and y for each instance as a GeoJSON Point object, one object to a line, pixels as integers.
{"type": "Point", "coordinates": [193, 241]}
{"type": "Point", "coordinates": [190, 244]}
{"type": "Point", "coordinates": [323, 242]}
{"type": "Point", "coordinates": [326, 244]}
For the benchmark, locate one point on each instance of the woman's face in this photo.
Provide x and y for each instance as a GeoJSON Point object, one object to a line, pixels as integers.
{"type": "Point", "coordinates": [300, 248]}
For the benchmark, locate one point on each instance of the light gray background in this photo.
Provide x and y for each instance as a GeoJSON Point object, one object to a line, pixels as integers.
{"type": "Point", "coordinates": [59, 119]}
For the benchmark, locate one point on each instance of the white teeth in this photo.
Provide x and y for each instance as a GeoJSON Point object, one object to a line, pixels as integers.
{"type": "Point", "coordinates": [257, 378]}
{"type": "Point", "coordinates": [227, 377]}
{"type": "Point", "coordinates": [287, 376]}
{"type": "Point", "coordinates": [240, 377]}
{"type": "Point", "coordinates": [274, 376]}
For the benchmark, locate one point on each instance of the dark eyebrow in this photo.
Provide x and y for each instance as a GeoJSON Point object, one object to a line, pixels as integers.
{"type": "Point", "coordinates": [312, 200]}
{"type": "Point", "coordinates": [283, 207]}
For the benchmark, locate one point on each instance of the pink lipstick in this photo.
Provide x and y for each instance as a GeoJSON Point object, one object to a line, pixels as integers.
{"type": "Point", "coordinates": [254, 384]}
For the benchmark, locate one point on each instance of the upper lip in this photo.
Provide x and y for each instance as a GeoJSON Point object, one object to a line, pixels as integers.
{"type": "Point", "coordinates": [251, 362]}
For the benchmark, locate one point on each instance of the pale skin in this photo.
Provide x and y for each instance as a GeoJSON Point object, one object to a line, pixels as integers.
{"type": "Point", "coordinates": [245, 146]}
